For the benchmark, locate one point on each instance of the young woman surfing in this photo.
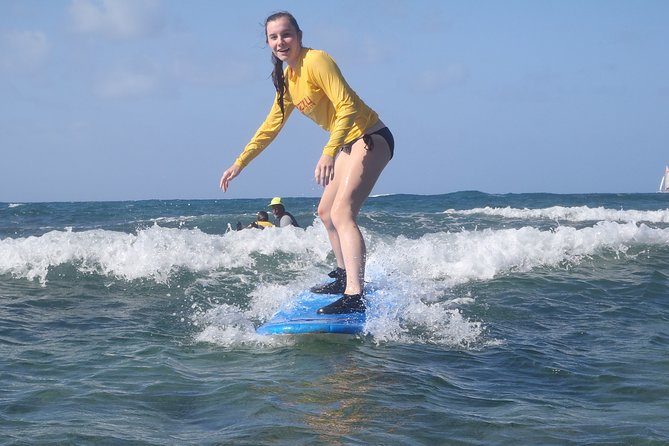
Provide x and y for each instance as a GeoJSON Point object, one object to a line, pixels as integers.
{"type": "Point", "coordinates": [358, 149]}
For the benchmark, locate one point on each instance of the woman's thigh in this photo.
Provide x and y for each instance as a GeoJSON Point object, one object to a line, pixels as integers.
{"type": "Point", "coordinates": [356, 174]}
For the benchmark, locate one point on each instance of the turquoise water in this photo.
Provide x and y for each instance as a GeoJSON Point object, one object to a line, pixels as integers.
{"type": "Point", "coordinates": [510, 319]}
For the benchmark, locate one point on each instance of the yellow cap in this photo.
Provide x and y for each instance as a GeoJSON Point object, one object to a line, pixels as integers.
{"type": "Point", "coordinates": [275, 200]}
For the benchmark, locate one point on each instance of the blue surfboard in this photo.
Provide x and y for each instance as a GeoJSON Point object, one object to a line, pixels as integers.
{"type": "Point", "coordinates": [300, 317]}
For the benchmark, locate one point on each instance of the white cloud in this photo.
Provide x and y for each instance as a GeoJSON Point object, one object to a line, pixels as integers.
{"type": "Point", "coordinates": [125, 83]}
{"type": "Point", "coordinates": [23, 50]}
{"type": "Point", "coordinates": [117, 18]}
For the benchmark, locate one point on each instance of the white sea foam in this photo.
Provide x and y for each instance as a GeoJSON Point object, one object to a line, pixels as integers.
{"type": "Point", "coordinates": [446, 257]}
{"type": "Point", "coordinates": [415, 277]}
{"type": "Point", "coordinates": [391, 317]}
{"type": "Point", "coordinates": [449, 258]}
{"type": "Point", "coordinates": [230, 326]}
{"type": "Point", "coordinates": [154, 253]}
{"type": "Point", "coordinates": [576, 213]}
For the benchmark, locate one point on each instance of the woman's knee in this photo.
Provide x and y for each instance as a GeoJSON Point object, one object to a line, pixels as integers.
{"type": "Point", "coordinates": [325, 216]}
{"type": "Point", "coordinates": [342, 218]}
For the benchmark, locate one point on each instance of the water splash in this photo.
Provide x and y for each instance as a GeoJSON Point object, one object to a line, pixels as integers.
{"type": "Point", "coordinates": [415, 277]}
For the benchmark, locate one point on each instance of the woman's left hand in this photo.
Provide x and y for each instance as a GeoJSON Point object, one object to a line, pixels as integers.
{"type": "Point", "coordinates": [324, 172]}
{"type": "Point", "coordinates": [228, 175]}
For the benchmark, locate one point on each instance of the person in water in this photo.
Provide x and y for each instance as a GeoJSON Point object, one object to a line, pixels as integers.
{"type": "Point", "coordinates": [283, 217]}
{"type": "Point", "coordinates": [262, 221]}
{"type": "Point", "coordinates": [359, 148]}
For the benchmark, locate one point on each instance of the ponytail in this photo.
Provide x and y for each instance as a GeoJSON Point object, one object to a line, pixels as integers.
{"type": "Point", "coordinates": [279, 83]}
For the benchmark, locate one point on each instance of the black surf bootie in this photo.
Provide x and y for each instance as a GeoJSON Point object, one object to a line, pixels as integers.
{"type": "Point", "coordinates": [336, 287]}
{"type": "Point", "coordinates": [350, 303]}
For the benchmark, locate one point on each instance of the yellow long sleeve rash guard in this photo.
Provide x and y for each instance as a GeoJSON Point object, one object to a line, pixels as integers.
{"type": "Point", "coordinates": [318, 89]}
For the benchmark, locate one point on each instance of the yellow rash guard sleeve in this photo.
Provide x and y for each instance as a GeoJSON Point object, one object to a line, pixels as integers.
{"type": "Point", "coordinates": [316, 88]}
{"type": "Point", "coordinates": [265, 133]}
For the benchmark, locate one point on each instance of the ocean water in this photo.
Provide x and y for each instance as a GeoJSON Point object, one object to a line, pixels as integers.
{"type": "Point", "coordinates": [501, 320]}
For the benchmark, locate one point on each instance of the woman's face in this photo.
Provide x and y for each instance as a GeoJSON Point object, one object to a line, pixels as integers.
{"type": "Point", "coordinates": [284, 40]}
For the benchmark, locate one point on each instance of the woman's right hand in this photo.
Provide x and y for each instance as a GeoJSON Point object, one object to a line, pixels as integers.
{"type": "Point", "coordinates": [325, 170]}
{"type": "Point", "coordinates": [228, 175]}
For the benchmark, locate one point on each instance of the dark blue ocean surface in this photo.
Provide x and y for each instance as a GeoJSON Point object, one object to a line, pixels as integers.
{"type": "Point", "coordinates": [503, 320]}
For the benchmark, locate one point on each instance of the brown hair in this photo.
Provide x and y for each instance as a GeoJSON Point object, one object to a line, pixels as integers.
{"type": "Point", "coordinates": [277, 72]}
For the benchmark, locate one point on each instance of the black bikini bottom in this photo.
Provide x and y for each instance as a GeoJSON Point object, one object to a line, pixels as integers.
{"type": "Point", "coordinates": [369, 142]}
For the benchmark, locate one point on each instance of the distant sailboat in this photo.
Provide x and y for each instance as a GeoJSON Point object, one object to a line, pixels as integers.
{"type": "Point", "coordinates": [664, 183]}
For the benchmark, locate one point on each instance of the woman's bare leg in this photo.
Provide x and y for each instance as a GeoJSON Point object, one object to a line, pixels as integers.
{"type": "Point", "coordinates": [324, 208]}
{"type": "Point", "coordinates": [355, 176]}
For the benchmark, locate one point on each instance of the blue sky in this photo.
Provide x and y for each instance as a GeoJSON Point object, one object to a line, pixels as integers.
{"type": "Point", "coordinates": [151, 99]}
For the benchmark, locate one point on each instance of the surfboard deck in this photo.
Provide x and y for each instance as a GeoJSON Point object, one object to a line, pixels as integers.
{"type": "Point", "coordinates": [300, 317]}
